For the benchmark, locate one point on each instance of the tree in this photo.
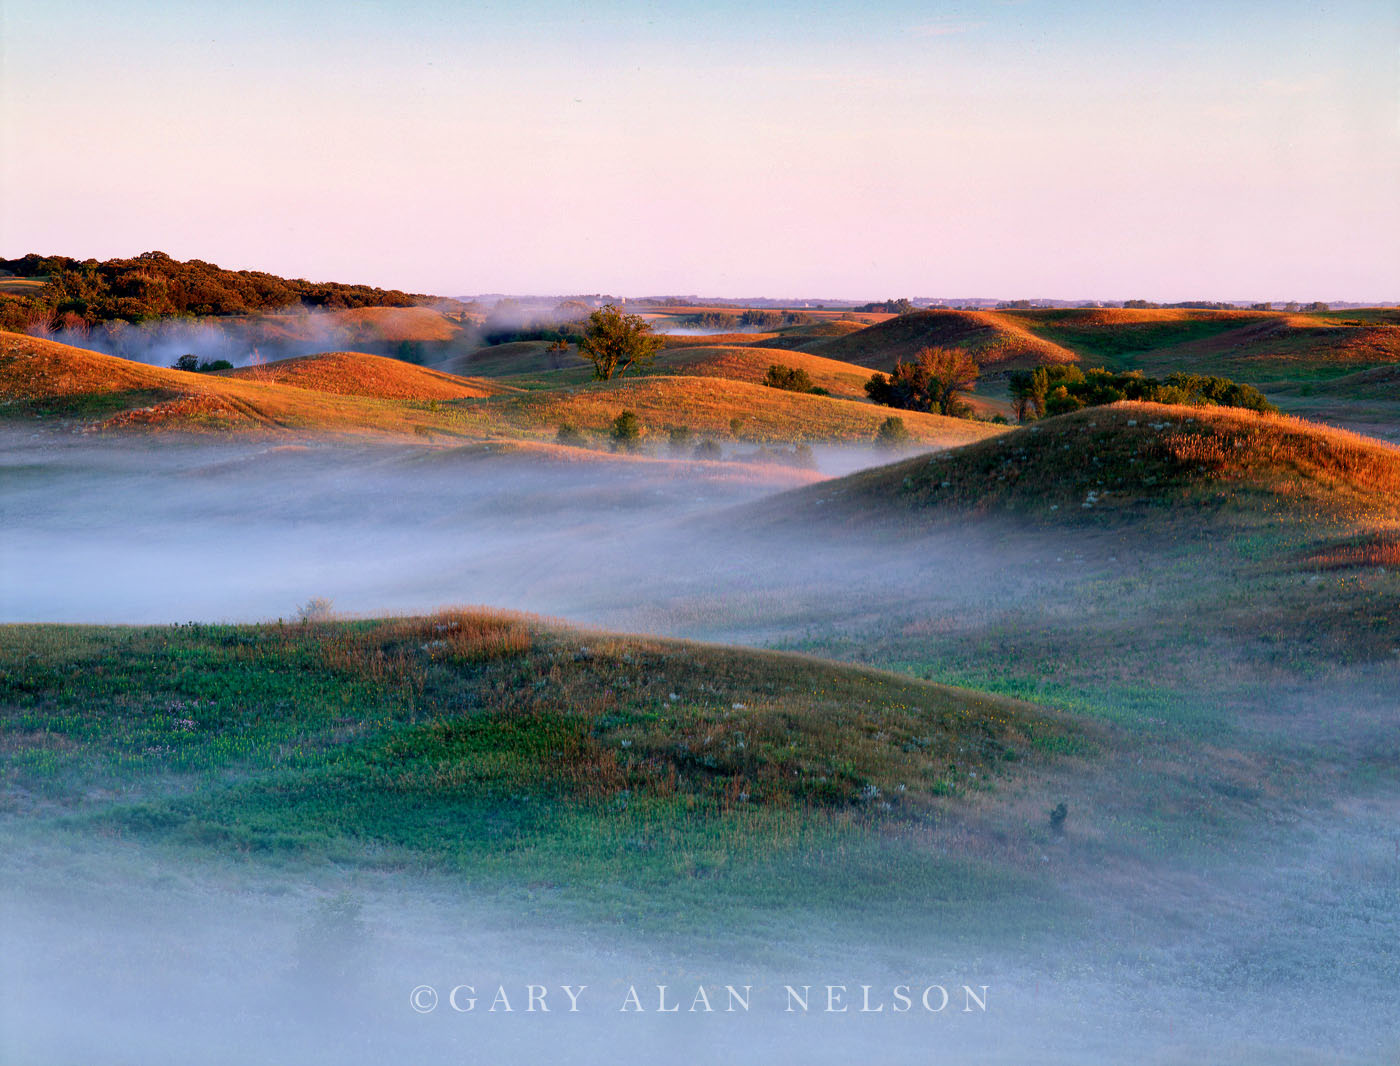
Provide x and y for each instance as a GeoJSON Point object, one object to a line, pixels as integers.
{"type": "Point", "coordinates": [935, 381]}
{"type": "Point", "coordinates": [614, 341]}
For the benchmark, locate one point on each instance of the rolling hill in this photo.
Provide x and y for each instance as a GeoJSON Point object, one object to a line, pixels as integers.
{"type": "Point", "coordinates": [1261, 347]}
{"type": "Point", "coordinates": [710, 406]}
{"type": "Point", "coordinates": [351, 392]}
{"type": "Point", "coordinates": [1132, 460]}
{"type": "Point", "coordinates": [89, 391]}
{"type": "Point", "coordinates": [998, 341]}
{"type": "Point", "coordinates": [361, 374]}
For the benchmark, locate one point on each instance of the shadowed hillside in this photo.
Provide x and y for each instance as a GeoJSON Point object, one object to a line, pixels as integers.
{"type": "Point", "coordinates": [1256, 346]}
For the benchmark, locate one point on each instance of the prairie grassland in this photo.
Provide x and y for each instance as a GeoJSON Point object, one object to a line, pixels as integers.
{"type": "Point", "coordinates": [711, 405]}
{"type": "Point", "coordinates": [1118, 463]}
{"type": "Point", "coordinates": [750, 364]}
{"type": "Point", "coordinates": [362, 374]}
{"type": "Point", "coordinates": [353, 393]}
{"type": "Point", "coordinates": [996, 340]}
{"type": "Point", "coordinates": [509, 752]}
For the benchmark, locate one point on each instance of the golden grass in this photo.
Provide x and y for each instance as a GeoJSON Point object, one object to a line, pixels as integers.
{"type": "Point", "coordinates": [708, 405]}
{"type": "Point", "coordinates": [398, 323]}
{"type": "Point", "coordinates": [1129, 459]}
{"type": "Point", "coordinates": [361, 374]}
{"type": "Point", "coordinates": [68, 382]}
{"type": "Point", "coordinates": [750, 364]}
{"type": "Point", "coordinates": [35, 369]}
{"type": "Point", "coordinates": [1373, 552]}
{"type": "Point", "coordinates": [995, 340]}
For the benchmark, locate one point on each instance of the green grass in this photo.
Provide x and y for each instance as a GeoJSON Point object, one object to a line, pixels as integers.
{"type": "Point", "coordinates": [514, 757]}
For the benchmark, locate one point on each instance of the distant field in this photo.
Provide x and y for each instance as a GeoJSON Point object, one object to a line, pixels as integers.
{"type": "Point", "coordinates": [22, 286]}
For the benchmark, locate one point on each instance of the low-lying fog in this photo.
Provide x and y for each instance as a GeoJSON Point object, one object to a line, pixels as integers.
{"type": "Point", "coordinates": [167, 532]}
{"type": "Point", "coordinates": [1287, 952]}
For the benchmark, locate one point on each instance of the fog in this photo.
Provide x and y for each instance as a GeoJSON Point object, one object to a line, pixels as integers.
{"type": "Point", "coordinates": [241, 341]}
{"type": "Point", "coordinates": [1282, 948]}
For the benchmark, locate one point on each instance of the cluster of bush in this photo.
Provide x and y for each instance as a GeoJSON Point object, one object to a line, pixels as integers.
{"type": "Point", "coordinates": [935, 381]}
{"type": "Point", "coordinates": [889, 307]}
{"type": "Point", "coordinates": [153, 286]}
{"type": "Point", "coordinates": [792, 379]}
{"type": "Point", "coordinates": [191, 362]}
{"type": "Point", "coordinates": [626, 433]}
{"type": "Point", "coordinates": [1056, 390]}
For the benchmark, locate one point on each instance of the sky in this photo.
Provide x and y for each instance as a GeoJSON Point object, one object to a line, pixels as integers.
{"type": "Point", "coordinates": [866, 150]}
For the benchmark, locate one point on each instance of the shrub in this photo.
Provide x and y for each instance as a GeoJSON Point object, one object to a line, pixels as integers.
{"type": "Point", "coordinates": [626, 431]}
{"type": "Point", "coordinates": [893, 433]}
{"type": "Point", "coordinates": [679, 440]}
{"type": "Point", "coordinates": [788, 378]}
{"type": "Point", "coordinates": [189, 361]}
{"type": "Point", "coordinates": [569, 435]}
{"type": "Point", "coordinates": [709, 448]}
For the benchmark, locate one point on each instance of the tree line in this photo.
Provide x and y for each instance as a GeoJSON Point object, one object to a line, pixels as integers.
{"type": "Point", "coordinates": [84, 293]}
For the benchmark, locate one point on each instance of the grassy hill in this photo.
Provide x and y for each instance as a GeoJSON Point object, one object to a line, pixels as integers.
{"type": "Point", "coordinates": [361, 374]}
{"type": "Point", "coordinates": [1261, 347]}
{"type": "Point", "coordinates": [750, 364]}
{"type": "Point", "coordinates": [80, 389]}
{"type": "Point", "coordinates": [709, 405]}
{"type": "Point", "coordinates": [997, 340]}
{"type": "Point", "coordinates": [1135, 459]}
{"type": "Point", "coordinates": [350, 392]}
{"type": "Point", "coordinates": [508, 752]}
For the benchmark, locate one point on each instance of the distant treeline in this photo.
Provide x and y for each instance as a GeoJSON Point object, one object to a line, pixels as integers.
{"type": "Point", "coordinates": [153, 286]}
{"type": "Point", "coordinates": [751, 319]}
{"type": "Point", "coordinates": [889, 307]}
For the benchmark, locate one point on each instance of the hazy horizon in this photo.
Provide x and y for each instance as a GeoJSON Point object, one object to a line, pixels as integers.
{"type": "Point", "coordinates": [1027, 150]}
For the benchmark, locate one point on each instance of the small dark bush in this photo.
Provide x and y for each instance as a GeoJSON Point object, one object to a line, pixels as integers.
{"type": "Point", "coordinates": [709, 448]}
{"type": "Point", "coordinates": [678, 440]}
{"type": "Point", "coordinates": [893, 433]}
{"type": "Point", "coordinates": [626, 431]}
{"type": "Point", "coordinates": [568, 434]}
{"type": "Point", "coordinates": [789, 379]}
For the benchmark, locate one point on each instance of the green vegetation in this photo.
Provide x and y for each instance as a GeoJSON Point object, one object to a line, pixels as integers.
{"type": "Point", "coordinates": [1057, 390]}
{"type": "Point", "coordinates": [626, 431]}
{"type": "Point", "coordinates": [893, 433]}
{"type": "Point", "coordinates": [614, 341]}
{"type": "Point", "coordinates": [77, 294]}
{"type": "Point", "coordinates": [936, 381]}
{"type": "Point", "coordinates": [510, 754]}
{"type": "Point", "coordinates": [792, 379]}
{"type": "Point", "coordinates": [191, 362]}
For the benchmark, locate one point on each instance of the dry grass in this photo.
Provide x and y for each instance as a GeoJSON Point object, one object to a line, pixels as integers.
{"type": "Point", "coordinates": [709, 405]}
{"type": "Point", "coordinates": [994, 339]}
{"type": "Point", "coordinates": [1132, 459]}
{"type": "Point", "coordinates": [1372, 552]}
{"type": "Point", "coordinates": [361, 374]}
{"type": "Point", "coordinates": [398, 323]}
{"type": "Point", "coordinates": [751, 363]}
